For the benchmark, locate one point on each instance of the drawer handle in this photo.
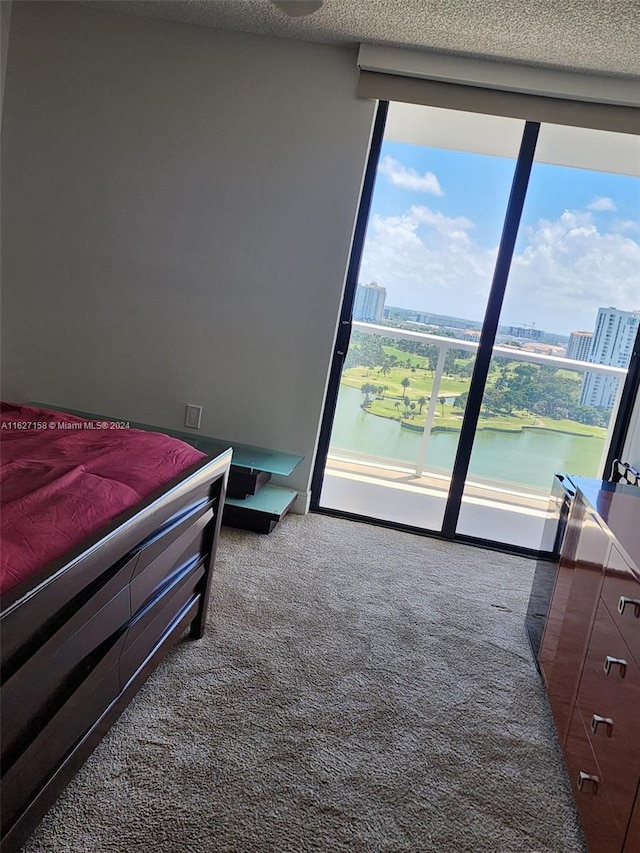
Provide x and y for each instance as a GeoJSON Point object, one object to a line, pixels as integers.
{"type": "Point", "coordinates": [632, 602]}
{"type": "Point", "coordinates": [607, 722]}
{"type": "Point", "coordinates": [584, 778]}
{"type": "Point", "coordinates": [611, 661]}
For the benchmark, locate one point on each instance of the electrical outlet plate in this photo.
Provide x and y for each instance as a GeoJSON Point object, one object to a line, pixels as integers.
{"type": "Point", "coordinates": [192, 416]}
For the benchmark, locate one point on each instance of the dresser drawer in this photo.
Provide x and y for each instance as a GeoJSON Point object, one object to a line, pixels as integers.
{"type": "Point", "coordinates": [32, 768]}
{"type": "Point", "coordinates": [573, 605]}
{"type": "Point", "coordinates": [610, 682]}
{"type": "Point", "coordinates": [608, 700]}
{"type": "Point", "coordinates": [155, 619]}
{"type": "Point", "coordinates": [621, 594]}
{"type": "Point", "coordinates": [614, 755]}
{"type": "Point", "coordinates": [590, 791]}
{"type": "Point", "coordinates": [55, 668]}
{"type": "Point", "coordinates": [185, 543]}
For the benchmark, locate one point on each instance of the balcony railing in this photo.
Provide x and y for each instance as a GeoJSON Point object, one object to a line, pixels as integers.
{"type": "Point", "coordinates": [512, 353]}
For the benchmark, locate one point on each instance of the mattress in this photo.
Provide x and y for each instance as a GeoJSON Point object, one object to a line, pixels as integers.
{"type": "Point", "coordinates": [63, 478]}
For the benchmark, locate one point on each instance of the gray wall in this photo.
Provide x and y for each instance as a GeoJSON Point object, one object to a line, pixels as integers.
{"type": "Point", "coordinates": [178, 207]}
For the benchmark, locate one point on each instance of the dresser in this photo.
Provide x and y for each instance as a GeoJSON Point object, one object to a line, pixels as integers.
{"type": "Point", "coordinates": [590, 662]}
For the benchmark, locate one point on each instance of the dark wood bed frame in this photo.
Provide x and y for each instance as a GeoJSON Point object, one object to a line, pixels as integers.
{"type": "Point", "coordinates": [81, 637]}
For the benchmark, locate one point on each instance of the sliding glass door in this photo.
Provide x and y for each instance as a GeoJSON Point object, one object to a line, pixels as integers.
{"type": "Point", "coordinates": [463, 387]}
{"type": "Point", "coordinates": [572, 299]}
{"type": "Point", "coordinates": [439, 200]}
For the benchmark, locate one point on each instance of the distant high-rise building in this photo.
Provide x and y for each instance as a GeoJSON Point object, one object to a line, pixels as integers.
{"type": "Point", "coordinates": [579, 345]}
{"type": "Point", "coordinates": [369, 302]}
{"type": "Point", "coordinates": [611, 344]}
{"type": "Point", "coordinates": [527, 332]}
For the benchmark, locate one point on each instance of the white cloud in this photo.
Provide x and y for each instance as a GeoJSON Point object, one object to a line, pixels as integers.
{"type": "Point", "coordinates": [567, 269]}
{"type": "Point", "coordinates": [602, 203]}
{"type": "Point", "coordinates": [452, 226]}
{"type": "Point", "coordinates": [428, 261]}
{"type": "Point", "coordinates": [623, 225]}
{"type": "Point", "coordinates": [409, 179]}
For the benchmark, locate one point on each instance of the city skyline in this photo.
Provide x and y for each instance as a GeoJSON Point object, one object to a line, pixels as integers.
{"type": "Point", "coordinates": [581, 349]}
{"type": "Point", "coordinates": [435, 227]}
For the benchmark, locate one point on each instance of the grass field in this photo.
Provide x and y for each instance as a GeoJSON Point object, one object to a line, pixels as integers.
{"type": "Point", "coordinates": [388, 401]}
{"type": "Point", "coordinates": [389, 404]}
{"type": "Point", "coordinates": [420, 381]}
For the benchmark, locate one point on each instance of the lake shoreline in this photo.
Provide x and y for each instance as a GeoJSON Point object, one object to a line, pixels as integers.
{"type": "Point", "coordinates": [527, 456]}
{"type": "Point", "coordinates": [480, 427]}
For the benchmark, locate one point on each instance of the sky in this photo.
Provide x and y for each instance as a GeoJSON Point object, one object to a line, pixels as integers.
{"type": "Point", "coordinates": [435, 226]}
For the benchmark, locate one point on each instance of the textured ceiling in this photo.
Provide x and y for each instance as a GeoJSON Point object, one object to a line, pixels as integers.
{"type": "Point", "coordinates": [583, 35]}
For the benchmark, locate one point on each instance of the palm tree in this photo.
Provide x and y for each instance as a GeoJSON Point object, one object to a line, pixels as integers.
{"type": "Point", "coordinates": [442, 401]}
{"type": "Point", "coordinates": [421, 402]}
{"type": "Point", "coordinates": [385, 367]}
{"type": "Point", "coordinates": [405, 383]}
{"type": "Point", "coordinates": [367, 390]}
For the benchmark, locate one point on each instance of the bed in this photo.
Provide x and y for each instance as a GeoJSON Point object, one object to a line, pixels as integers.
{"type": "Point", "coordinates": [107, 561]}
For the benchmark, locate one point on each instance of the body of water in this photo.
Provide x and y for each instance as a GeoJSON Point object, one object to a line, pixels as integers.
{"type": "Point", "coordinates": [527, 458]}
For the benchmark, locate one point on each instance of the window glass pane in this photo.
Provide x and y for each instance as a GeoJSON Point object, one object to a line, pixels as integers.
{"type": "Point", "coordinates": [573, 297]}
{"type": "Point", "coordinates": [437, 212]}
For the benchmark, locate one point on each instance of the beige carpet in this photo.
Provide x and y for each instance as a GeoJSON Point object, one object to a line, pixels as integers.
{"type": "Point", "coordinates": [359, 689]}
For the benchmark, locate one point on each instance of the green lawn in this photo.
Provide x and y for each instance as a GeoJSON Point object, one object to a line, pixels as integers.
{"type": "Point", "coordinates": [389, 402]}
{"type": "Point", "coordinates": [402, 356]}
{"type": "Point", "coordinates": [420, 382]}
{"type": "Point", "coordinates": [449, 417]}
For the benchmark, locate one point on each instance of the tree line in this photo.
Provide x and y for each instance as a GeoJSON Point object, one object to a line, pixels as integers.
{"type": "Point", "coordinates": [368, 351]}
{"type": "Point", "coordinates": [513, 386]}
